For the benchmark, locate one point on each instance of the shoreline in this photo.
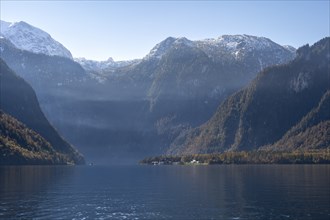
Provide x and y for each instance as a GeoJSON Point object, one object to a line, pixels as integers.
{"type": "Point", "coordinates": [243, 157]}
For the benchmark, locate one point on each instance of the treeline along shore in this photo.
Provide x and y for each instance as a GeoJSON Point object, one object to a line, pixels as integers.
{"type": "Point", "coordinates": [244, 157]}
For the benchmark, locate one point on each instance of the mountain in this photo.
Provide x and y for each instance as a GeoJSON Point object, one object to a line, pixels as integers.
{"type": "Point", "coordinates": [141, 108]}
{"type": "Point", "coordinates": [19, 100]}
{"type": "Point", "coordinates": [229, 47]}
{"type": "Point", "coordinates": [193, 77]}
{"type": "Point", "coordinates": [265, 112]}
{"type": "Point", "coordinates": [207, 67]}
{"type": "Point", "coordinates": [27, 37]}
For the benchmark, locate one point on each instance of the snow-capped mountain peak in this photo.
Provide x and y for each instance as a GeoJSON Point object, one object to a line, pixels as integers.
{"type": "Point", "coordinates": [27, 37]}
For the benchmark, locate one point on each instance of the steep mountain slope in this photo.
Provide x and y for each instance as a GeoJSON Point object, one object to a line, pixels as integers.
{"type": "Point", "coordinates": [263, 112]}
{"type": "Point", "coordinates": [20, 145]}
{"type": "Point", "coordinates": [26, 37]}
{"type": "Point", "coordinates": [312, 132]}
{"type": "Point", "coordinates": [19, 100]}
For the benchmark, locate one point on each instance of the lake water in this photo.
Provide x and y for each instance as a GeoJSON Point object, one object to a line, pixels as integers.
{"type": "Point", "coordinates": [165, 192]}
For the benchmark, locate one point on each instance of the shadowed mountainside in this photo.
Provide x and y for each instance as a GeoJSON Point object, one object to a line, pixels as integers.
{"type": "Point", "coordinates": [19, 100]}
{"type": "Point", "coordinates": [275, 102]}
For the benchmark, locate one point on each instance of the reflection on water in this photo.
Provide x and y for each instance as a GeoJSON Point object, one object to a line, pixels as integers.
{"type": "Point", "coordinates": [165, 192]}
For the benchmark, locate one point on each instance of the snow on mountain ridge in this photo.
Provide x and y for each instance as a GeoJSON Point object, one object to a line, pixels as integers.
{"type": "Point", "coordinates": [236, 45]}
{"type": "Point", "coordinates": [161, 48]}
{"type": "Point", "coordinates": [232, 41]}
{"type": "Point", "coordinates": [93, 65]}
{"type": "Point", "coordinates": [27, 37]}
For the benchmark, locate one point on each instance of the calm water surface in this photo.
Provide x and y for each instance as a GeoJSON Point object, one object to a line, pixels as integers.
{"type": "Point", "coordinates": [165, 192]}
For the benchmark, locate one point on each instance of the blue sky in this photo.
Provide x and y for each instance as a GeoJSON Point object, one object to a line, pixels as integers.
{"type": "Point", "coordinates": [129, 29]}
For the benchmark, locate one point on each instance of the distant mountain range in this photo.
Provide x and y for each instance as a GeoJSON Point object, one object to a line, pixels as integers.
{"type": "Point", "coordinates": [160, 103]}
{"type": "Point", "coordinates": [26, 135]}
{"type": "Point", "coordinates": [286, 107]}
{"type": "Point", "coordinates": [107, 65]}
{"type": "Point", "coordinates": [99, 70]}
